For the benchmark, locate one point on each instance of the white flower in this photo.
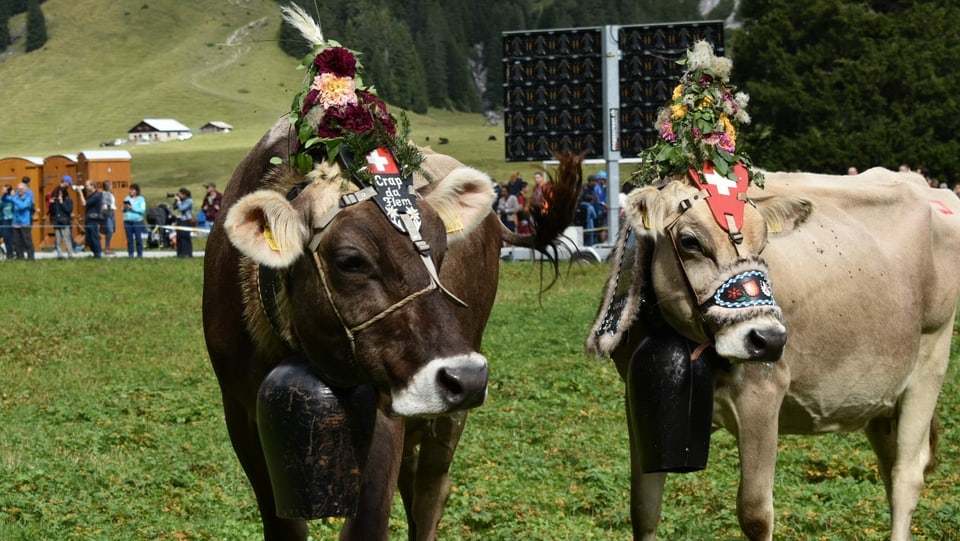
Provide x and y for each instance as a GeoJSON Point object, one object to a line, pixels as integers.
{"type": "Point", "coordinates": [721, 67]}
{"type": "Point", "coordinates": [701, 57]}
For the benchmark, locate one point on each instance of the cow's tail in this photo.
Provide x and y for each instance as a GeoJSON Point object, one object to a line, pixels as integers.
{"type": "Point", "coordinates": [551, 216]}
{"type": "Point", "coordinates": [934, 443]}
{"type": "Point", "coordinates": [298, 18]}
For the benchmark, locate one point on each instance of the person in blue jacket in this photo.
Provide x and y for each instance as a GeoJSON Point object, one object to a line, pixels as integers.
{"type": "Point", "coordinates": [183, 204]}
{"type": "Point", "coordinates": [6, 220]}
{"type": "Point", "coordinates": [92, 201]}
{"type": "Point", "coordinates": [23, 206]}
{"type": "Point", "coordinates": [134, 211]}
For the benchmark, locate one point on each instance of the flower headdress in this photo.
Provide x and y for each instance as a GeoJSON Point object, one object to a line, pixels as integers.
{"type": "Point", "coordinates": [335, 112]}
{"type": "Point", "coordinates": [698, 124]}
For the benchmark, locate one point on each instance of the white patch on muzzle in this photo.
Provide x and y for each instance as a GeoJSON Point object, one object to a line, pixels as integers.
{"type": "Point", "coordinates": [754, 339]}
{"type": "Point", "coordinates": [425, 395]}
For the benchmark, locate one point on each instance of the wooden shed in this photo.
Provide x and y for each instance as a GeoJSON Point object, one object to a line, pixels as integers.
{"type": "Point", "coordinates": [150, 130]}
{"type": "Point", "coordinates": [216, 126]}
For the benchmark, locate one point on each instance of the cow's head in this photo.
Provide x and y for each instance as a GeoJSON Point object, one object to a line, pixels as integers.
{"type": "Point", "coordinates": [357, 296]}
{"type": "Point", "coordinates": [707, 281]}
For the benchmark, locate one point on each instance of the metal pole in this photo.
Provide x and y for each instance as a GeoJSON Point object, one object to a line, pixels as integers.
{"type": "Point", "coordinates": [611, 127]}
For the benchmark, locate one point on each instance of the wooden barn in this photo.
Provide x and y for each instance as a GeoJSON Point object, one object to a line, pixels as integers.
{"type": "Point", "coordinates": [152, 130]}
{"type": "Point", "coordinates": [216, 126]}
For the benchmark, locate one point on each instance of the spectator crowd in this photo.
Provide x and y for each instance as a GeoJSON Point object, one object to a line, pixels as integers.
{"type": "Point", "coordinates": [93, 208]}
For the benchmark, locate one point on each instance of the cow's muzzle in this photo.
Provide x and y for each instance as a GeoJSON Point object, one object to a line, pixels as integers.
{"type": "Point", "coordinates": [444, 385]}
{"type": "Point", "coordinates": [766, 345]}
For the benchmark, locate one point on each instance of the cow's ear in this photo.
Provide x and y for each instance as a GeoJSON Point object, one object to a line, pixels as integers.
{"type": "Point", "coordinates": [265, 227]}
{"type": "Point", "coordinates": [462, 198]}
{"type": "Point", "coordinates": [645, 211]}
{"type": "Point", "coordinates": [783, 213]}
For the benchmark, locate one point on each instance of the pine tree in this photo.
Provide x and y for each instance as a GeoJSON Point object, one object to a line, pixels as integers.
{"type": "Point", "coordinates": [4, 25]}
{"type": "Point", "coordinates": [449, 34]}
{"type": "Point", "coordinates": [431, 45]}
{"type": "Point", "coordinates": [835, 84]}
{"type": "Point", "coordinates": [36, 26]}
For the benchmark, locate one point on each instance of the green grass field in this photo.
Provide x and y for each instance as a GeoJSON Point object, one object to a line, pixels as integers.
{"type": "Point", "coordinates": [112, 427]}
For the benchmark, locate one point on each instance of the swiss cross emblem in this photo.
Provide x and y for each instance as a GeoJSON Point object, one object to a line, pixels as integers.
{"type": "Point", "coordinates": [381, 162]}
{"type": "Point", "coordinates": [725, 199]}
{"type": "Point", "coordinates": [394, 193]}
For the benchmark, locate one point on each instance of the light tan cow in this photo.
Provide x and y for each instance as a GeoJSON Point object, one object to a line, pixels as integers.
{"type": "Point", "coordinates": [864, 270]}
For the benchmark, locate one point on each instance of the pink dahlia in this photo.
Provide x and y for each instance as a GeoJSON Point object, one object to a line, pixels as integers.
{"type": "Point", "coordinates": [335, 91]}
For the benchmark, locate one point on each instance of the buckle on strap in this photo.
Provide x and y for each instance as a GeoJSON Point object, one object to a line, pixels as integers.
{"type": "Point", "coordinates": [346, 200]}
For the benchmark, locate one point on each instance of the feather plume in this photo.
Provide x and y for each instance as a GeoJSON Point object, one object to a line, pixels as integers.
{"type": "Point", "coordinates": [298, 18]}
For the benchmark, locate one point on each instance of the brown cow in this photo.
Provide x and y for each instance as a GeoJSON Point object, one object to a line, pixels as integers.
{"type": "Point", "coordinates": [359, 303]}
{"type": "Point", "coordinates": [864, 270]}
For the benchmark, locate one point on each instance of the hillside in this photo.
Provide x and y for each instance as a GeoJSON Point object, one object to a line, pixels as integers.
{"type": "Point", "coordinates": [107, 65]}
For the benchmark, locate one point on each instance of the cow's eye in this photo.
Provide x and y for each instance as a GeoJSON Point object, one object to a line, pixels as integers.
{"type": "Point", "coordinates": [351, 263]}
{"type": "Point", "coordinates": [691, 243]}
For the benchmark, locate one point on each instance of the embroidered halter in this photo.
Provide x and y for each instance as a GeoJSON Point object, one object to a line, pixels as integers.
{"type": "Point", "coordinates": [726, 199]}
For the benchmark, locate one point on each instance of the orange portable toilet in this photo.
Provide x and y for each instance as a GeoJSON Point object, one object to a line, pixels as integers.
{"type": "Point", "coordinates": [112, 165]}
{"type": "Point", "coordinates": [54, 168]}
{"type": "Point", "coordinates": [12, 171]}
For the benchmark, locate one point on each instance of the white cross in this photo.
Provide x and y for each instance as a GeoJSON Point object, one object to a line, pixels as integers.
{"type": "Point", "coordinates": [722, 183]}
{"type": "Point", "coordinates": [378, 161]}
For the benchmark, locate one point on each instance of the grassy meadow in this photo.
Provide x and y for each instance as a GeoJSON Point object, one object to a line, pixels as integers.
{"type": "Point", "coordinates": [112, 427]}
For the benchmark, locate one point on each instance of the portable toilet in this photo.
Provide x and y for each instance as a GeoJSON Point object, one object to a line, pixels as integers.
{"type": "Point", "coordinates": [113, 165]}
{"type": "Point", "coordinates": [14, 170]}
{"type": "Point", "coordinates": [54, 168]}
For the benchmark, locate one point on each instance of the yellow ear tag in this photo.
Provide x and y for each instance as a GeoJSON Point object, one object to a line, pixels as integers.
{"type": "Point", "coordinates": [451, 219]}
{"type": "Point", "coordinates": [645, 218]}
{"type": "Point", "coordinates": [271, 242]}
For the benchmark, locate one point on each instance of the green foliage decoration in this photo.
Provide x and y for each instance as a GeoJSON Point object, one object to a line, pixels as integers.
{"type": "Point", "coordinates": [699, 123]}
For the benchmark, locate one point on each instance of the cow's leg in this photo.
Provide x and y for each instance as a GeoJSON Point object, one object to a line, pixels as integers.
{"type": "Point", "coordinates": [425, 474]}
{"type": "Point", "coordinates": [377, 484]}
{"type": "Point", "coordinates": [905, 442]}
{"type": "Point", "coordinates": [646, 499]}
{"type": "Point", "coordinates": [882, 434]}
{"type": "Point", "coordinates": [242, 427]}
{"type": "Point", "coordinates": [646, 489]}
{"type": "Point", "coordinates": [758, 408]}
{"type": "Point", "coordinates": [908, 436]}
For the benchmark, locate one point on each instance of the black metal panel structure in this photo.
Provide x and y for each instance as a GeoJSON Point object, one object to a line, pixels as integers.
{"type": "Point", "coordinates": [554, 85]}
{"type": "Point", "coordinates": [649, 72]}
{"type": "Point", "coordinates": [552, 92]}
